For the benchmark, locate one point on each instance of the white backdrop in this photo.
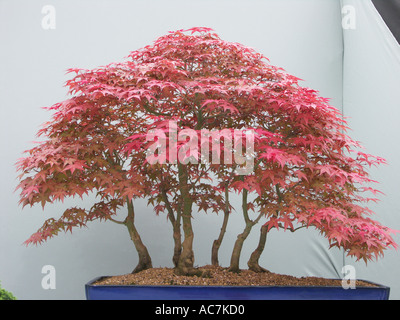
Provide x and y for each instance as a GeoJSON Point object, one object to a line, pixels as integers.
{"type": "Point", "coordinates": [305, 37]}
{"type": "Point", "coordinates": [371, 99]}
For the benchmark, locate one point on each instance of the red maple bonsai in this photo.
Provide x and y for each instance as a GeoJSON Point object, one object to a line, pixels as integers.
{"type": "Point", "coordinates": [301, 169]}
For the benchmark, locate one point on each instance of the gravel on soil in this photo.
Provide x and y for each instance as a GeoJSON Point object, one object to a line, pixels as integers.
{"type": "Point", "coordinates": [218, 276]}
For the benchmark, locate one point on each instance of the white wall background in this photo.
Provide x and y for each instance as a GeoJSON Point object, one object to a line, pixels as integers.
{"type": "Point", "coordinates": [302, 36]}
{"type": "Point", "coordinates": [371, 99]}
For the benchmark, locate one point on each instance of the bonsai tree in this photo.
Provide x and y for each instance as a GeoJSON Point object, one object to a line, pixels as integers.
{"type": "Point", "coordinates": [186, 123]}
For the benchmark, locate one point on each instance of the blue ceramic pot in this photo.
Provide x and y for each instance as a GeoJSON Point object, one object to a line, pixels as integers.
{"type": "Point", "coordinates": [136, 292]}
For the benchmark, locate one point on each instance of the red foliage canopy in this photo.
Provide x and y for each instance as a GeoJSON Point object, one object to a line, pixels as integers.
{"type": "Point", "coordinates": [307, 171]}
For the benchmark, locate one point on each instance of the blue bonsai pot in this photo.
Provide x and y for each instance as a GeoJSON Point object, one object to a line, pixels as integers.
{"type": "Point", "coordinates": [166, 292]}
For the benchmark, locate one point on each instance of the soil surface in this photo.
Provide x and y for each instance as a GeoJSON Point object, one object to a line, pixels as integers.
{"type": "Point", "coordinates": [218, 276]}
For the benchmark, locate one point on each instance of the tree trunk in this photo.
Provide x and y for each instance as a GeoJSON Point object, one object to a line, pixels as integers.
{"type": "Point", "coordinates": [176, 228]}
{"type": "Point", "coordinates": [237, 249]}
{"type": "Point", "coordinates": [217, 242]}
{"type": "Point", "coordinates": [177, 243]}
{"type": "Point", "coordinates": [144, 257]}
{"type": "Point", "coordinates": [186, 258]}
{"type": "Point", "coordinates": [253, 262]}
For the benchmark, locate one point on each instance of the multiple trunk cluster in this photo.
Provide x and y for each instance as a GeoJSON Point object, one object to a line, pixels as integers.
{"type": "Point", "coordinates": [183, 256]}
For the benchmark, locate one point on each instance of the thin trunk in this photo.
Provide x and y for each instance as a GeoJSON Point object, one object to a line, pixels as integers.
{"type": "Point", "coordinates": [217, 242]}
{"type": "Point", "coordinates": [237, 249]}
{"type": "Point", "coordinates": [177, 242]}
{"type": "Point", "coordinates": [176, 228]}
{"type": "Point", "coordinates": [186, 259]}
{"type": "Point", "coordinates": [144, 257]}
{"type": "Point", "coordinates": [253, 262]}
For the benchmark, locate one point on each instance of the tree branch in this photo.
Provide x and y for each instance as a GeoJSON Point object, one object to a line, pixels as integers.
{"type": "Point", "coordinates": [146, 107]}
{"type": "Point", "coordinates": [116, 221]}
{"type": "Point", "coordinates": [290, 229]}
